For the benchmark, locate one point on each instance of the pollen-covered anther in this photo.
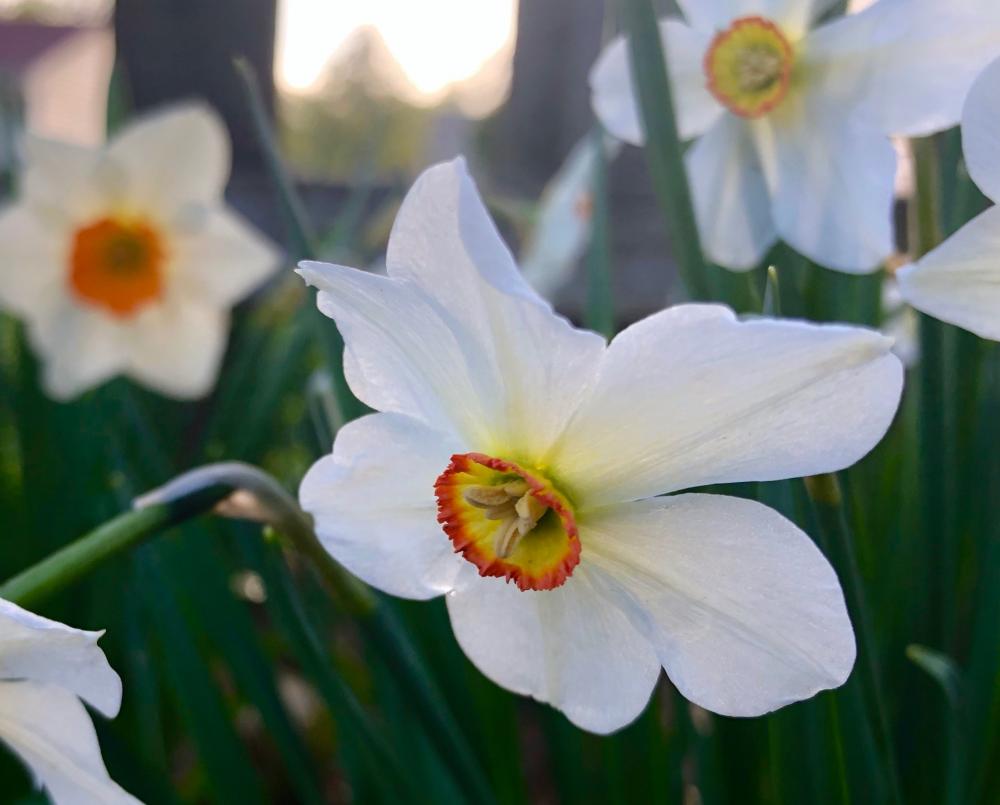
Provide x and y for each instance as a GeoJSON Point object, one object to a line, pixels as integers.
{"type": "Point", "coordinates": [508, 521]}
{"type": "Point", "coordinates": [749, 66]}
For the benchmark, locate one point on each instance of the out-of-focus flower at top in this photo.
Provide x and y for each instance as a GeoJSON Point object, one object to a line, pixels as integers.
{"type": "Point", "coordinates": [46, 668]}
{"type": "Point", "coordinates": [564, 219]}
{"type": "Point", "coordinates": [125, 259]}
{"type": "Point", "coordinates": [515, 463]}
{"type": "Point", "coordinates": [792, 120]}
{"type": "Point", "coordinates": [959, 281]}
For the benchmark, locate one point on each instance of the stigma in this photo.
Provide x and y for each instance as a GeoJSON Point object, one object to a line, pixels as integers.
{"type": "Point", "coordinates": [749, 67]}
{"type": "Point", "coordinates": [507, 520]}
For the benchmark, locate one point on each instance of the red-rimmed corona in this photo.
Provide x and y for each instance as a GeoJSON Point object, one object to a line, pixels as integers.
{"type": "Point", "coordinates": [749, 67]}
{"type": "Point", "coordinates": [508, 521]}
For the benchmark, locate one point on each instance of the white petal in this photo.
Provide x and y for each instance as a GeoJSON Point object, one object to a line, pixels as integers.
{"type": "Point", "coordinates": [832, 182]}
{"type": "Point", "coordinates": [32, 260]}
{"type": "Point", "coordinates": [730, 196]}
{"type": "Point", "coordinates": [60, 179]}
{"type": "Point", "coordinates": [42, 650]}
{"type": "Point", "coordinates": [745, 612]}
{"type": "Point", "coordinates": [959, 282]}
{"type": "Point", "coordinates": [50, 730]}
{"type": "Point", "coordinates": [176, 347]}
{"type": "Point", "coordinates": [691, 396]}
{"type": "Point", "coordinates": [918, 58]}
{"type": "Point", "coordinates": [374, 506]}
{"type": "Point", "coordinates": [613, 94]}
{"type": "Point", "coordinates": [81, 347]}
{"type": "Point", "coordinates": [981, 131]}
{"type": "Point", "coordinates": [454, 336]}
{"type": "Point", "coordinates": [794, 16]}
{"type": "Point", "coordinates": [570, 647]}
{"type": "Point", "coordinates": [224, 259]}
{"type": "Point", "coordinates": [172, 158]}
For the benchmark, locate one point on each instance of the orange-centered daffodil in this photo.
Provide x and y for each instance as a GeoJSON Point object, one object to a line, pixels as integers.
{"type": "Point", "coordinates": [518, 466]}
{"type": "Point", "coordinates": [125, 260]}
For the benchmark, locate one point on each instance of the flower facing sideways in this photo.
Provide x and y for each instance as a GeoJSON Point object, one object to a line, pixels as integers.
{"type": "Point", "coordinates": [514, 463]}
{"type": "Point", "coordinates": [46, 668]}
{"type": "Point", "coordinates": [125, 260]}
{"type": "Point", "coordinates": [959, 281]}
{"type": "Point", "coordinates": [792, 117]}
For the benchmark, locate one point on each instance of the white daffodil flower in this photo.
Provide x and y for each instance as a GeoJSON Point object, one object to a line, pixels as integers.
{"type": "Point", "coordinates": [46, 668]}
{"type": "Point", "coordinates": [125, 260]}
{"type": "Point", "coordinates": [792, 120]}
{"type": "Point", "coordinates": [515, 459]}
{"type": "Point", "coordinates": [959, 281]}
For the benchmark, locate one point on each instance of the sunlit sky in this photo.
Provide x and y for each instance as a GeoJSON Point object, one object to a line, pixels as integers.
{"type": "Point", "coordinates": [436, 42]}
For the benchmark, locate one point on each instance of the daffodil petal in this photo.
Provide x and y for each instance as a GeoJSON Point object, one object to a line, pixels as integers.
{"type": "Point", "coordinates": [374, 506]}
{"type": "Point", "coordinates": [172, 158]}
{"type": "Point", "coordinates": [836, 210]}
{"type": "Point", "coordinates": [58, 178]}
{"type": "Point", "coordinates": [959, 282]}
{"type": "Point", "coordinates": [731, 199]}
{"type": "Point", "coordinates": [51, 732]}
{"type": "Point", "coordinates": [224, 258]}
{"type": "Point", "coordinates": [744, 611]}
{"type": "Point", "coordinates": [31, 259]}
{"type": "Point", "coordinates": [613, 93]}
{"type": "Point", "coordinates": [692, 396]}
{"type": "Point", "coordinates": [474, 351]}
{"type": "Point", "coordinates": [918, 58]}
{"type": "Point", "coordinates": [981, 131]}
{"type": "Point", "coordinates": [567, 647]}
{"type": "Point", "coordinates": [42, 650]}
{"type": "Point", "coordinates": [714, 15]}
{"type": "Point", "coordinates": [444, 241]}
{"type": "Point", "coordinates": [82, 347]}
{"type": "Point", "coordinates": [176, 347]}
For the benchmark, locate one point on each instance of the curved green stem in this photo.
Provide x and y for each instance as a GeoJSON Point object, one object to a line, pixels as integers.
{"type": "Point", "coordinates": [114, 537]}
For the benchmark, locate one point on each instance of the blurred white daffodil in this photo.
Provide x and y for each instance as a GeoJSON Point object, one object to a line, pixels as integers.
{"type": "Point", "coordinates": [125, 260]}
{"type": "Point", "coordinates": [565, 217]}
{"type": "Point", "coordinates": [46, 668]}
{"type": "Point", "coordinates": [959, 281]}
{"type": "Point", "coordinates": [792, 119]}
{"type": "Point", "coordinates": [512, 447]}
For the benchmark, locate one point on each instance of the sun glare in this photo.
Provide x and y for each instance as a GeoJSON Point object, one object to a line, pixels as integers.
{"type": "Point", "coordinates": [437, 43]}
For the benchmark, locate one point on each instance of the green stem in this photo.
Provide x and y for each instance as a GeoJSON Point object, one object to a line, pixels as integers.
{"type": "Point", "coordinates": [304, 245]}
{"type": "Point", "coordinates": [600, 304]}
{"type": "Point", "coordinates": [827, 501]}
{"type": "Point", "coordinates": [663, 146]}
{"type": "Point", "coordinates": [126, 531]}
{"type": "Point", "coordinates": [938, 492]}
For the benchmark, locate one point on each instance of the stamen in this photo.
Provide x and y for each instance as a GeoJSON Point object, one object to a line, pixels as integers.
{"type": "Point", "coordinates": [508, 533]}
{"type": "Point", "coordinates": [486, 497]}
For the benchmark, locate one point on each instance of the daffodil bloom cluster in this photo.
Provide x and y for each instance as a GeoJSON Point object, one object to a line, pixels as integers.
{"type": "Point", "coordinates": [959, 281]}
{"type": "Point", "coordinates": [46, 669]}
{"type": "Point", "coordinates": [792, 114]}
{"type": "Point", "coordinates": [517, 464]}
{"type": "Point", "coordinates": [125, 259]}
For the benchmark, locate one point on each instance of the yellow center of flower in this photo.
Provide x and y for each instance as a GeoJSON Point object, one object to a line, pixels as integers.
{"type": "Point", "coordinates": [508, 521]}
{"type": "Point", "coordinates": [749, 67]}
{"type": "Point", "coordinates": [117, 264]}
